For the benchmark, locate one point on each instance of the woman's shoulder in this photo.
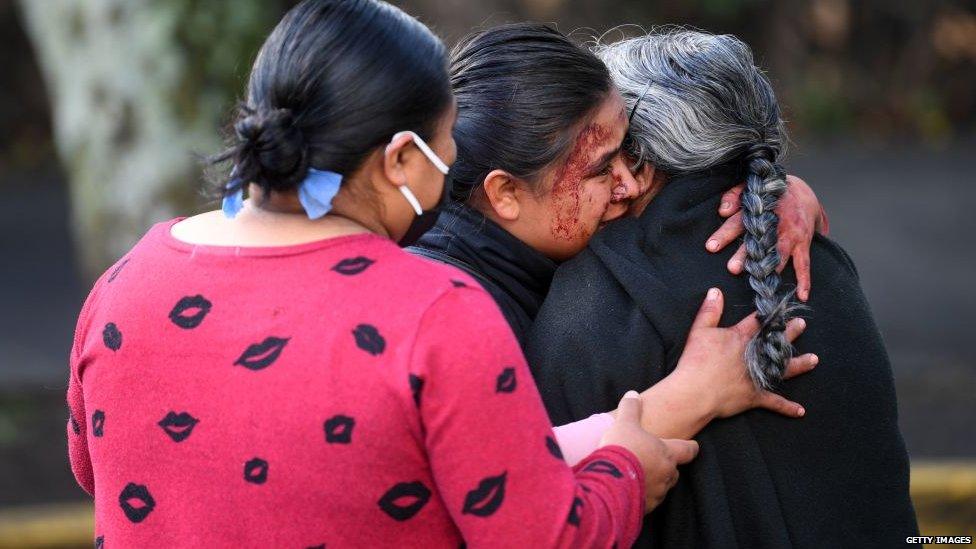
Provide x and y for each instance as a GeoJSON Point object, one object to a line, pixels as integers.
{"type": "Point", "coordinates": [834, 250]}
{"type": "Point", "coordinates": [428, 268]}
{"type": "Point", "coordinates": [436, 285]}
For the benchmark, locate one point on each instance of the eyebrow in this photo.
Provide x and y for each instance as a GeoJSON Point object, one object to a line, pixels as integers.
{"type": "Point", "coordinates": [604, 160]}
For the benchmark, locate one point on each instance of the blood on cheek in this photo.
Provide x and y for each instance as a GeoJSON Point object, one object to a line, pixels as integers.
{"type": "Point", "coordinates": [567, 187]}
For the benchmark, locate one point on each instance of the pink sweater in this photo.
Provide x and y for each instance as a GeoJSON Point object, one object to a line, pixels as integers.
{"type": "Point", "coordinates": [340, 392]}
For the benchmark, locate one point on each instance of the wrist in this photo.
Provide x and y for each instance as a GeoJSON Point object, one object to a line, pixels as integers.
{"type": "Point", "coordinates": [697, 394]}
{"type": "Point", "coordinates": [677, 407]}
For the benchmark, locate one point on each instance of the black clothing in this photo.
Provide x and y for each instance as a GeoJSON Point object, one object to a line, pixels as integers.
{"type": "Point", "coordinates": [516, 275]}
{"type": "Point", "coordinates": [616, 319]}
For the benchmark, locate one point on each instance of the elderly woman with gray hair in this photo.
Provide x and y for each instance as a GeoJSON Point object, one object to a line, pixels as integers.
{"type": "Point", "coordinates": [703, 118]}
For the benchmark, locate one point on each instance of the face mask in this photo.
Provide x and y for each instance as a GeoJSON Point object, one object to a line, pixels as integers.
{"type": "Point", "coordinates": [425, 220]}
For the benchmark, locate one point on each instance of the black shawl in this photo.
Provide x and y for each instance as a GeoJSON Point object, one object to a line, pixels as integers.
{"type": "Point", "coordinates": [616, 318]}
{"type": "Point", "coordinates": [516, 275]}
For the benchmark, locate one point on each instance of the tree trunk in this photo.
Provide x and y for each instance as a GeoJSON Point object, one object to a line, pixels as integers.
{"type": "Point", "coordinates": [137, 87]}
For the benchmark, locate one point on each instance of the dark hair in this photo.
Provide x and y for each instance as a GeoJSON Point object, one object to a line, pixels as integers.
{"type": "Point", "coordinates": [520, 89]}
{"type": "Point", "coordinates": [700, 101]}
{"type": "Point", "coordinates": [333, 81]}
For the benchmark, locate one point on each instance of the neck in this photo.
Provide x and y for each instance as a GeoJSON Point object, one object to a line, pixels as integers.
{"type": "Point", "coordinates": [286, 205]}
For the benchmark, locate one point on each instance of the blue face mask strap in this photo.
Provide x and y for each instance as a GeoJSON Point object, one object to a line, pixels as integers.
{"type": "Point", "coordinates": [317, 191]}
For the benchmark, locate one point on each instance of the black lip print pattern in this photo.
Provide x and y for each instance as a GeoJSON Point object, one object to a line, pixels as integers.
{"type": "Point", "coordinates": [604, 467]}
{"type": "Point", "coordinates": [353, 265]}
{"type": "Point", "coordinates": [256, 471]}
{"type": "Point", "coordinates": [404, 500]}
{"type": "Point", "coordinates": [416, 386]}
{"type": "Point", "coordinates": [98, 423]}
{"type": "Point", "coordinates": [368, 338]}
{"type": "Point", "coordinates": [338, 429]}
{"type": "Point", "coordinates": [112, 337]}
{"type": "Point", "coordinates": [75, 428]}
{"type": "Point", "coordinates": [506, 381]}
{"type": "Point", "coordinates": [117, 270]}
{"type": "Point", "coordinates": [99, 542]}
{"type": "Point", "coordinates": [261, 355]}
{"type": "Point", "coordinates": [136, 502]}
{"type": "Point", "coordinates": [178, 426]}
{"type": "Point", "coordinates": [458, 283]}
{"type": "Point", "coordinates": [189, 311]}
{"type": "Point", "coordinates": [574, 516]}
{"type": "Point", "coordinates": [554, 448]}
{"type": "Point", "coordinates": [319, 546]}
{"type": "Point", "coordinates": [484, 500]}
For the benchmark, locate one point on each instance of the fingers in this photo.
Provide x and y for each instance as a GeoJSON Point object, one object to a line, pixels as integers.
{"type": "Point", "coordinates": [729, 231]}
{"type": "Point", "coordinates": [630, 407]}
{"type": "Point", "coordinates": [785, 247]}
{"type": "Point", "coordinates": [748, 326]}
{"type": "Point", "coordinates": [823, 222]}
{"type": "Point", "coordinates": [738, 260]}
{"type": "Point", "coordinates": [683, 451]}
{"type": "Point", "coordinates": [800, 365]}
{"type": "Point", "coordinates": [794, 328]}
{"type": "Point", "coordinates": [780, 405]}
{"type": "Point", "coordinates": [801, 264]}
{"type": "Point", "coordinates": [731, 201]}
{"type": "Point", "coordinates": [710, 312]}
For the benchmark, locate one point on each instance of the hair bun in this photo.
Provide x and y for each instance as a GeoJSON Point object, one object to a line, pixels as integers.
{"type": "Point", "coordinates": [273, 151]}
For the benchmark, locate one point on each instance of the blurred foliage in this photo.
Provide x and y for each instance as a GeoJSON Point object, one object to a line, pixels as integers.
{"type": "Point", "coordinates": [867, 69]}
{"type": "Point", "coordinates": [220, 41]}
{"type": "Point", "coordinates": [25, 137]}
{"type": "Point", "coordinates": [136, 86]}
{"type": "Point", "coordinates": [137, 91]}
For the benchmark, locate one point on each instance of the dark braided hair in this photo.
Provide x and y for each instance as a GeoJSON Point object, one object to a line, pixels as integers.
{"type": "Point", "coordinates": [699, 101]}
{"type": "Point", "coordinates": [333, 81]}
{"type": "Point", "coordinates": [769, 352]}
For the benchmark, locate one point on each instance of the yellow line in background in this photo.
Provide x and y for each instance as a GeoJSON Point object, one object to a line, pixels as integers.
{"type": "Point", "coordinates": [944, 493]}
{"type": "Point", "coordinates": [59, 525]}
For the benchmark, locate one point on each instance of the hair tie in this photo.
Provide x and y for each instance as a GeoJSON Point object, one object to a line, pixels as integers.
{"type": "Point", "coordinates": [633, 111]}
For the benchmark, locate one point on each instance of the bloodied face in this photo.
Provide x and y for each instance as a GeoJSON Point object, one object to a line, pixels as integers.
{"type": "Point", "coordinates": [576, 193]}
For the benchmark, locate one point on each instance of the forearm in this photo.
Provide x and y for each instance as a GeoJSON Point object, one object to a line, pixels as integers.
{"type": "Point", "coordinates": [675, 408]}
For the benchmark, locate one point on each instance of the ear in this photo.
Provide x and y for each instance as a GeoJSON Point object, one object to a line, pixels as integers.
{"type": "Point", "coordinates": [501, 191]}
{"type": "Point", "coordinates": [393, 160]}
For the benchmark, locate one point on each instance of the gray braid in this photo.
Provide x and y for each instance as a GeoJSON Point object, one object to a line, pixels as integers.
{"type": "Point", "coordinates": [699, 101]}
{"type": "Point", "coordinates": [769, 352]}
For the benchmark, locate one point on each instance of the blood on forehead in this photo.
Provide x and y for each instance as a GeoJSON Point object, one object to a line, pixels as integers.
{"type": "Point", "coordinates": [567, 188]}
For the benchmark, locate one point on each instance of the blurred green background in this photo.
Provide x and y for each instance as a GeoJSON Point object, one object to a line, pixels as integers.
{"type": "Point", "coordinates": [105, 106]}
